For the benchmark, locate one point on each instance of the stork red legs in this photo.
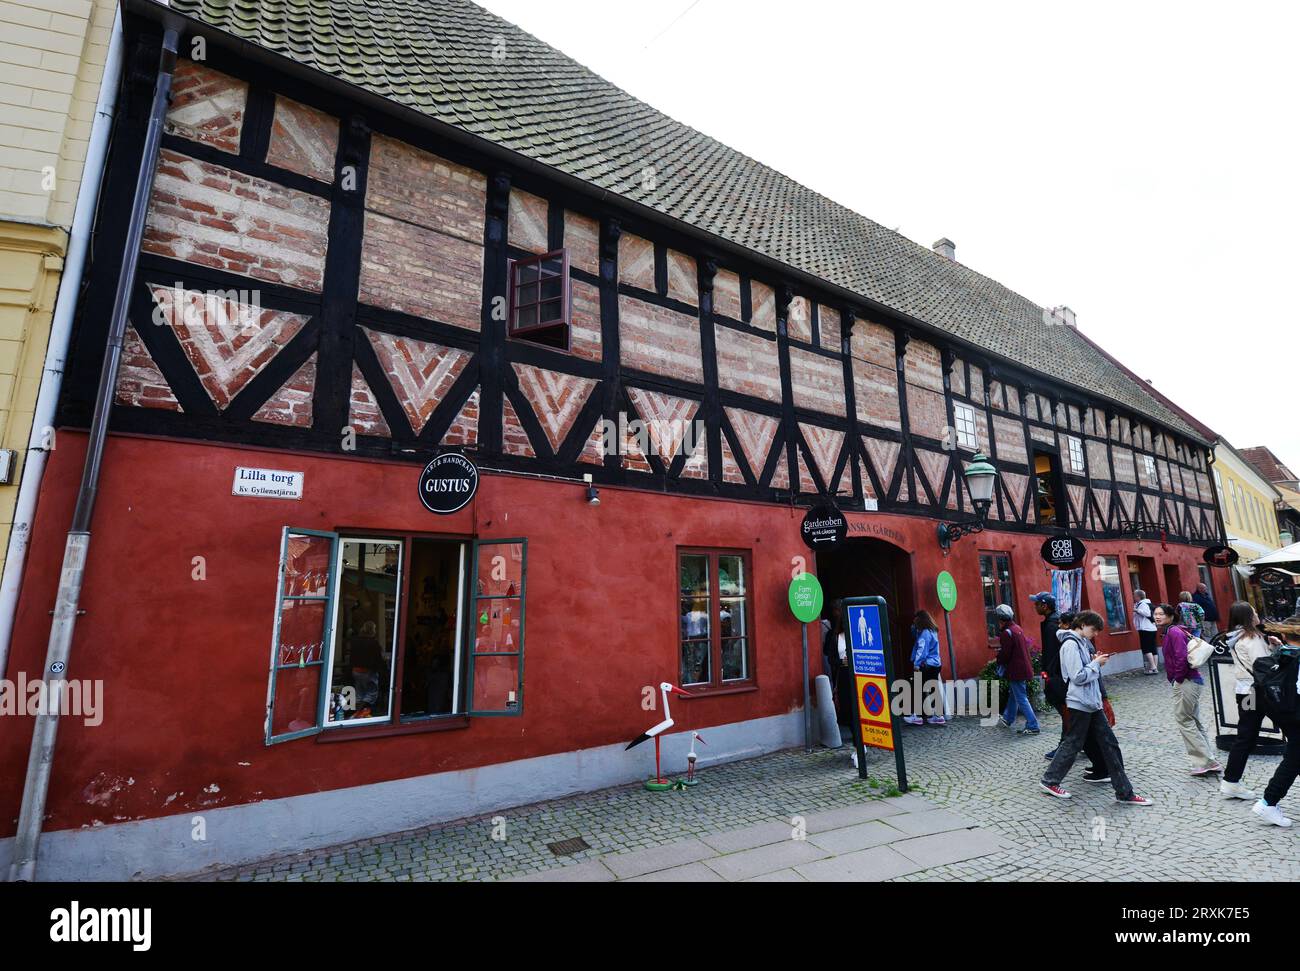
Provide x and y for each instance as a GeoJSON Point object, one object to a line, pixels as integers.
{"type": "Point", "coordinates": [664, 689]}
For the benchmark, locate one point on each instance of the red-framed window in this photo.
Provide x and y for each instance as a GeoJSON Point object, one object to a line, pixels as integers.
{"type": "Point", "coordinates": [715, 611]}
{"type": "Point", "coordinates": [999, 587]}
{"type": "Point", "coordinates": [540, 298]}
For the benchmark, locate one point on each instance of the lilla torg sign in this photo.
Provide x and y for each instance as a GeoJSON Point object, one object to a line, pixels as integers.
{"type": "Point", "coordinates": [448, 483]}
{"type": "Point", "coordinates": [1063, 551]}
{"type": "Point", "coordinates": [824, 528]}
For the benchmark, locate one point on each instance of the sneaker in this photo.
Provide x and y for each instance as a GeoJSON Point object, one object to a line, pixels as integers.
{"type": "Point", "coordinates": [1003, 722]}
{"type": "Point", "coordinates": [1090, 776]}
{"type": "Point", "coordinates": [1056, 791]}
{"type": "Point", "coordinates": [1135, 800]}
{"type": "Point", "coordinates": [1270, 814]}
{"type": "Point", "coordinates": [1050, 755]}
{"type": "Point", "coordinates": [938, 720]}
{"type": "Point", "coordinates": [1208, 770]}
{"type": "Point", "coordinates": [1234, 790]}
{"type": "Point", "coordinates": [1027, 731]}
{"type": "Point", "coordinates": [914, 719]}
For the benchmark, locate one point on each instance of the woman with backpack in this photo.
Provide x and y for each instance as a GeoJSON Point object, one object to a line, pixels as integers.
{"type": "Point", "coordinates": [1289, 665]}
{"type": "Point", "coordinates": [925, 659]}
{"type": "Point", "coordinates": [1146, 628]}
{"type": "Point", "coordinates": [1246, 644]}
{"type": "Point", "coordinates": [1190, 614]}
{"type": "Point", "coordinates": [1187, 686]}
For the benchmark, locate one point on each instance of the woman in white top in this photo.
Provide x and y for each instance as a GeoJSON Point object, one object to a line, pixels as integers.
{"type": "Point", "coordinates": [1247, 645]}
{"type": "Point", "coordinates": [1146, 628]}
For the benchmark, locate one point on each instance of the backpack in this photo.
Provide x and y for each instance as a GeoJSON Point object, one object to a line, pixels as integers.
{"type": "Point", "coordinates": [1275, 686]}
{"type": "Point", "coordinates": [1056, 688]}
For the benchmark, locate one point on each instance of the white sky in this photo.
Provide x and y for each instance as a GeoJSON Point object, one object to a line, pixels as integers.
{"type": "Point", "coordinates": [1137, 162]}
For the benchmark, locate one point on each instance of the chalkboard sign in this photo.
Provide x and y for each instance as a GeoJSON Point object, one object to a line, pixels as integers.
{"type": "Point", "coordinates": [824, 528]}
{"type": "Point", "coordinates": [448, 483]}
{"type": "Point", "coordinates": [1063, 551]}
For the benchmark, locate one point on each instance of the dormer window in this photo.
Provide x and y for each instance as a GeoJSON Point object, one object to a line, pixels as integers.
{"type": "Point", "coordinates": [540, 299]}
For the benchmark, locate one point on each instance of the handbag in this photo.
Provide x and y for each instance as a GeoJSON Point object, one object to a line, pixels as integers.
{"type": "Point", "coordinates": [1109, 710]}
{"type": "Point", "coordinates": [1198, 652]}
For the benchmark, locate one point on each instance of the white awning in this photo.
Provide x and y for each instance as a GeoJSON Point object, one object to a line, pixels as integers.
{"type": "Point", "coordinates": [1287, 554]}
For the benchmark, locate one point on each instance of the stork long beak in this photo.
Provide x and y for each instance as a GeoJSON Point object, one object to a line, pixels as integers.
{"type": "Point", "coordinates": [700, 739]}
{"type": "Point", "coordinates": [643, 737]}
{"type": "Point", "coordinates": [680, 693]}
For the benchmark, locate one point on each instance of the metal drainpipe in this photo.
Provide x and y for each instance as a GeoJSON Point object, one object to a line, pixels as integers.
{"type": "Point", "coordinates": [41, 760]}
{"type": "Point", "coordinates": [65, 305]}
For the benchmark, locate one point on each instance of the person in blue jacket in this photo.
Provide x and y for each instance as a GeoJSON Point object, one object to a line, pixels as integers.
{"type": "Point", "coordinates": [925, 658]}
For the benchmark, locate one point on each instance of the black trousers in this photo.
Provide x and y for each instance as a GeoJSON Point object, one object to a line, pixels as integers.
{"type": "Point", "coordinates": [1249, 720]}
{"type": "Point", "coordinates": [1085, 726]}
{"type": "Point", "coordinates": [928, 674]}
{"type": "Point", "coordinates": [1286, 772]}
{"type": "Point", "coordinates": [1096, 762]}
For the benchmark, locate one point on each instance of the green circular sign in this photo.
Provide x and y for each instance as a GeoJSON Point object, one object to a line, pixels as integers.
{"type": "Point", "coordinates": [806, 597]}
{"type": "Point", "coordinates": [947, 588]}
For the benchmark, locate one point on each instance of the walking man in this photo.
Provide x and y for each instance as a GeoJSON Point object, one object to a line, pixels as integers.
{"type": "Point", "coordinates": [1015, 665]}
{"type": "Point", "coordinates": [1203, 599]}
{"type": "Point", "coordinates": [1082, 672]}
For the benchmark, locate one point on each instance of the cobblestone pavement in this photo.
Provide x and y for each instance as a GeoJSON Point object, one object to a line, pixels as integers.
{"type": "Point", "coordinates": [985, 777]}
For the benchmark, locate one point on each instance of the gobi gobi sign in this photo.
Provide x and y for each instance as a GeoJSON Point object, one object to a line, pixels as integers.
{"type": "Point", "coordinates": [448, 483]}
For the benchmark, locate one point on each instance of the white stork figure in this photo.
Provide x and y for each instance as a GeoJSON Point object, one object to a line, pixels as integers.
{"type": "Point", "coordinates": [690, 758]}
{"type": "Point", "coordinates": [664, 689]}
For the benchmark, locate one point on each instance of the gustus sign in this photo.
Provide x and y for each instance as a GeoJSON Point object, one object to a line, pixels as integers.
{"type": "Point", "coordinates": [448, 483]}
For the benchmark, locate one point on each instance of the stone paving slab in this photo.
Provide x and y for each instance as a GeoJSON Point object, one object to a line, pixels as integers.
{"type": "Point", "coordinates": [847, 815]}
{"type": "Point", "coordinates": [930, 821]}
{"type": "Point", "coordinates": [628, 865]}
{"type": "Point", "coordinates": [749, 837]}
{"type": "Point", "coordinates": [590, 872]}
{"type": "Point", "coordinates": [954, 846]}
{"type": "Point", "coordinates": [765, 859]}
{"type": "Point", "coordinates": [777, 876]}
{"type": "Point", "coordinates": [689, 873]}
{"type": "Point", "coordinates": [859, 837]}
{"type": "Point", "coordinates": [864, 866]}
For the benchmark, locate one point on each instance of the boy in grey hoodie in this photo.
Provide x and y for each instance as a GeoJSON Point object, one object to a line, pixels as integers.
{"type": "Point", "coordinates": [1082, 673]}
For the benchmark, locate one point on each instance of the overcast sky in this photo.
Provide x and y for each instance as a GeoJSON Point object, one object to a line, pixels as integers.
{"type": "Point", "coordinates": [1137, 162]}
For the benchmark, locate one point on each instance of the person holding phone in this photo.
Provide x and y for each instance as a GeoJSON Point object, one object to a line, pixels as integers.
{"type": "Point", "coordinates": [1246, 645]}
{"type": "Point", "coordinates": [1187, 686]}
{"type": "Point", "coordinates": [1081, 670]}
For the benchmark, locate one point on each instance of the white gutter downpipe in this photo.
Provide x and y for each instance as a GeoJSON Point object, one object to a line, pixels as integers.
{"type": "Point", "coordinates": [65, 307]}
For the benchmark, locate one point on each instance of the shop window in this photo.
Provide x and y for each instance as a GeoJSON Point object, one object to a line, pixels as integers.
{"type": "Point", "coordinates": [995, 577]}
{"type": "Point", "coordinates": [715, 610]}
{"type": "Point", "coordinates": [371, 631]}
{"type": "Point", "coordinates": [1076, 455]}
{"type": "Point", "coordinates": [1112, 592]}
{"type": "Point", "coordinates": [964, 419]}
{"type": "Point", "coordinates": [540, 299]}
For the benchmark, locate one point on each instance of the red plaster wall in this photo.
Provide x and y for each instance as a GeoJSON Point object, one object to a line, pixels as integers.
{"type": "Point", "coordinates": [185, 662]}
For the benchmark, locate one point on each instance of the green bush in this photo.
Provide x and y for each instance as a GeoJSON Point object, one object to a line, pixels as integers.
{"type": "Point", "coordinates": [1034, 688]}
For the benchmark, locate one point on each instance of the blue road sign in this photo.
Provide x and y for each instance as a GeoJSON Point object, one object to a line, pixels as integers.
{"type": "Point", "coordinates": [868, 644]}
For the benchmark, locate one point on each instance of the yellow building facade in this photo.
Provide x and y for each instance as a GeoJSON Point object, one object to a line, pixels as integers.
{"type": "Point", "coordinates": [52, 56]}
{"type": "Point", "coordinates": [1247, 502]}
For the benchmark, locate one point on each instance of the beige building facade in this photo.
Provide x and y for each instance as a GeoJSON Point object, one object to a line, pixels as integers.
{"type": "Point", "coordinates": [52, 57]}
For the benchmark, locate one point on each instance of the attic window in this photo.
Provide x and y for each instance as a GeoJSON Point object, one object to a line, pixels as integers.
{"type": "Point", "coordinates": [540, 299]}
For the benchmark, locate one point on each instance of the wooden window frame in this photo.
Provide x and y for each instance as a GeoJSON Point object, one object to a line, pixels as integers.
{"type": "Point", "coordinates": [716, 685]}
{"type": "Point", "coordinates": [542, 328]}
{"type": "Point", "coordinates": [1011, 583]}
{"type": "Point", "coordinates": [963, 415]}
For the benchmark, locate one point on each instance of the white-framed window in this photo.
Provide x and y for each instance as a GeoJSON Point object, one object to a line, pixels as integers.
{"type": "Point", "coordinates": [1150, 465]}
{"type": "Point", "coordinates": [1076, 455]}
{"type": "Point", "coordinates": [964, 419]}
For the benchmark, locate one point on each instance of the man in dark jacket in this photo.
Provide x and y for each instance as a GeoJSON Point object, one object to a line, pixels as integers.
{"type": "Point", "coordinates": [1045, 607]}
{"type": "Point", "coordinates": [1210, 626]}
{"type": "Point", "coordinates": [1016, 666]}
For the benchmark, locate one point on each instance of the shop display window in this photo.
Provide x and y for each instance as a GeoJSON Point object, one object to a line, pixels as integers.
{"type": "Point", "coordinates": [714, 607]}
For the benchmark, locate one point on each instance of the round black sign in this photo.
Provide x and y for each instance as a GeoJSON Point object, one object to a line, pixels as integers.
{"type": "Point", "coordinates": [1223, 556]}
{"type": "Point", "coordinates": [448, 483]}
{"type": "Point", "coordinates": [1063, 551]}
{"type": "Point", "coordinates": [824, 528]}
{"type": "Point", "coordinates": [1273, 578]}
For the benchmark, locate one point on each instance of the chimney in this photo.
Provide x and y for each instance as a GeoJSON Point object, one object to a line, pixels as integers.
{"type": "Point", "coordinates": [1060, 316]}
{"type": "Point", "coordinates": [945, 248]}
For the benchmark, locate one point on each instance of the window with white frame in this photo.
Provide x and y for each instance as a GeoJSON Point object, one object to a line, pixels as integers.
{"type": "Point", "coordinates": [964, 419]}
{"type": "Point", "coordinates": [1150, 465]}
{"type": "Point", "coordinates": [1076, 455]}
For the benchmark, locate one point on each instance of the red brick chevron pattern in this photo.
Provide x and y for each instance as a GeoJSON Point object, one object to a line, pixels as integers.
{"type": "Point", "coordinates": [756, 433]}
{"type": "Point", "coordinates": [420, 372]}
{"type": "Point", "coordinates": [556, 398]}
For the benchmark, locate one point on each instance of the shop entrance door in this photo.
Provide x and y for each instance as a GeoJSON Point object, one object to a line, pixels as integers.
{"type": "Point", "coordinates": [864, 567]}
{"type": "Point", "coordinates": [1173, 584]}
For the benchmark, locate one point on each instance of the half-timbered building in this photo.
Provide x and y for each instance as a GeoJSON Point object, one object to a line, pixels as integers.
{"type": "Point", "coordinates": [378, 237]}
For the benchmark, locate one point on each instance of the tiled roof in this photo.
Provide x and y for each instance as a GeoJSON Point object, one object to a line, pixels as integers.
{"type": "Point", "coordinates": [1268, 464]}
{"type": "Point", "coordinates": [458, 63]}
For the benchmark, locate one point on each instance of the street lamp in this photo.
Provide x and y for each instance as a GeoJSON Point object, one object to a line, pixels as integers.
{"type": "Point", "coordinates": [980, 478]}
